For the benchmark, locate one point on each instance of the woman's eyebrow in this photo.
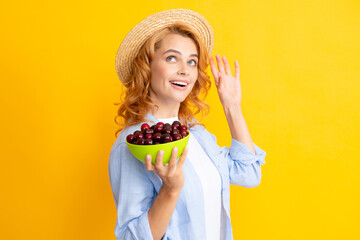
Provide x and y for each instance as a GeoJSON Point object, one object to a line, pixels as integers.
{"type": "Point", "coordinates": [176, 51]}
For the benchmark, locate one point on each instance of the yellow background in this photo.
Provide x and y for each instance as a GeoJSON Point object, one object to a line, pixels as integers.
{"type": "Point", "coordinates": [300, 72]}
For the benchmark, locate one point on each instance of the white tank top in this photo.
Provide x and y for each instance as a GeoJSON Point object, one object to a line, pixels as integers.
{"type": "Point", "coordinates": [211, 184]}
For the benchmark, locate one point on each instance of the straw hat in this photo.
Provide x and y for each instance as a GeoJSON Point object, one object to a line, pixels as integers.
{"type": "Point", "coordinates": [134, 40]}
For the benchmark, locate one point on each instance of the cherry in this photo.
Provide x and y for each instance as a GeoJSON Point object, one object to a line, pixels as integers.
{"type": "Point", "coordinates": [148, 141]}
{"type": "Point", "coordinates": [140, 141]}
{"type": "Point", "coordinates": [148, 131]}
{"type": "Point", "coordinates": [157, 137]}
{"type": "Point", "coordinates": [137, 131]}
{"type": "Point", "coordinates": [161, 124]}
{"type": "Point", "coordinates": [184, 133]}
{"type": "Point", "coordinates": [130, 138]}
{"type": "Point", "coordinates": [176, 123]}
{"type": "Point", "coordinates": [158, 133]}
{"type": "Point", "coordinates": [158, 129]}
{"type": "Point", "coordinates": [139, 135]}
{"type": "Point", "coordinates": [166, 138]}
{"type": "Point", "coordinates": [148, 136]}
{"type": "Point", "coordinates": [177, 136]}
{"type": "Point", "coordinates": [175, 131]}
{"type": "Point", "coordinates": [144, 126]}
{"type": "Point", "coordinates": [166, 130]}
{"type": "Point", "coordinates": [182, 127]}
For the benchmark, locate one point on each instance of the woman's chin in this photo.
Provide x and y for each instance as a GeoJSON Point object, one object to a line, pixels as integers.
{"type": "Point", "coordinates": [179, 97]}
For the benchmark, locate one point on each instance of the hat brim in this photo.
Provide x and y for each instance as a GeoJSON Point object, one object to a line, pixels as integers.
{"type": "Point", "coordinates": [134, 40]}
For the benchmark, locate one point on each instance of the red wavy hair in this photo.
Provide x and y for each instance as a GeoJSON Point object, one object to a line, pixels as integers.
{"type": "Point", "coordinates": [135, 98]}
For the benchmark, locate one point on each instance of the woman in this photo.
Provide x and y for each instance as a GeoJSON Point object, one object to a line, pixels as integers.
{"type": "Point", "coordinates": [162, 64]}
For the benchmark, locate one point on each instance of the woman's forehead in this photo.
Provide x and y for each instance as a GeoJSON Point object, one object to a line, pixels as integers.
{"type": "Point", "coordinates": [171, 50]}
{"type": "Point", "coordinates": [178, 44]}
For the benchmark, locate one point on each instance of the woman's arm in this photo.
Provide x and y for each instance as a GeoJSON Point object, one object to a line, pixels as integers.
{"type": "Point", "coordinates": [172, 177]}
{"type": "Point", "coordinates": [229, 91]}
{"type": "Point", "coordinates": [244, 157]}
{"type": "Point", "coordinates": [238, 128]}
{"type": "Point", "coordinates": [133, 193]}
{"type": "Point", "coordinates": [161, 211]}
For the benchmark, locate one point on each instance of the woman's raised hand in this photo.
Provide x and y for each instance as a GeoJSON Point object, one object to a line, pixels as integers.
{"type": "Point", "coordinates": [172, 175]}
{"type": "Point", "coordinates": [228, 86]}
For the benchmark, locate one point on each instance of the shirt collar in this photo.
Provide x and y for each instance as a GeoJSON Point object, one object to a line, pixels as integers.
{"type": "Point", "coordinates": [149, 116]}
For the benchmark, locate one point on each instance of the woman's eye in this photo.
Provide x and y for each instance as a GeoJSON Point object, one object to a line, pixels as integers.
{"type": "Point", "coordinates": [173, 57]}
{"type": "Point", "coordinates": [194, 62]}
{"type": "Point", "coordinates": [170, 57]}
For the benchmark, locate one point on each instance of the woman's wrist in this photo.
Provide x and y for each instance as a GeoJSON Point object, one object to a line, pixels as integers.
{"type": "Point", "coordinates": [232, 109]}
{"type": "Point", "coordinates": [170, 192]}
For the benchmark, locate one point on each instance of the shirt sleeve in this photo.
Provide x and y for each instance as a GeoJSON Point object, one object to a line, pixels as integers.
{"type": "Point", "coordinates": [244, 166]}
{"type": "Point", "coordinates": [133, 193]}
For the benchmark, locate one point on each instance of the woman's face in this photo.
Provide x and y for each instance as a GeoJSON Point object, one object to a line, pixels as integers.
{"type": "Point", "coordinates": [174, 70]}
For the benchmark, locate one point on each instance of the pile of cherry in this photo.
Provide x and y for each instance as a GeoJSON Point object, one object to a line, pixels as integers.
{"type": "Point", "coordinates": [157, 134]}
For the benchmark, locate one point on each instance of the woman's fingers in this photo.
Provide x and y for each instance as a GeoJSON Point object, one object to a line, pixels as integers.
{"type": "Point", "coordinates": [148, 164]}
{"type": "Point", "coordinates": [172, 161]}
{"type": "Point", "coordinates": [182, 158]}
{"type": "Point", "coordinates": [227, 66]}
{"type": "Point", "coordinates": [237, 70]}
{"type": "Point", "coordinates": [159, 160]}
{"type": "Point", "coordinates": [213, 67]}
{"type": "Point", "coordinates": [160, 168]}
{"type": "Point", "coordinates": [214, 70]}
{"type": "Point", "coordinates": [219, 64]}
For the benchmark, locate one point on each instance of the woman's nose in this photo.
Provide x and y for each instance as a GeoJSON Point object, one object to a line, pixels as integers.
{"type": "Point", "coordinates": [183, 69]}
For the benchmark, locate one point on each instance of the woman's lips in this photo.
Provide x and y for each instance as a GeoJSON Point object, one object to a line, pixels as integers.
{"type": "Point", "coordinates": [178, 87]}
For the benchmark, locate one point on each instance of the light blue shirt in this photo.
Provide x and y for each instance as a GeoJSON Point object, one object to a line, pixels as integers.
{"type": "Point", "coordinates": [134, 188]}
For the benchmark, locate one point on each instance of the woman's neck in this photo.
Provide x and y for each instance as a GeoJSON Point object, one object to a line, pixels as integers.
{"type": "Point", "coordinates": [168, 111]}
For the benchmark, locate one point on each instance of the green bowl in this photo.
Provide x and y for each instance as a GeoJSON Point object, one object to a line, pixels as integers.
{"type": "Point", "coordinates": [140, 151]}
